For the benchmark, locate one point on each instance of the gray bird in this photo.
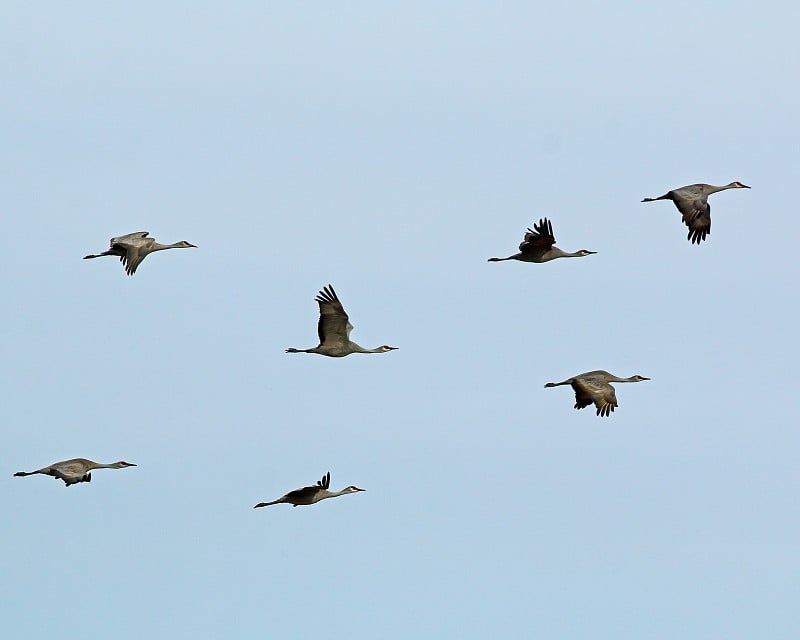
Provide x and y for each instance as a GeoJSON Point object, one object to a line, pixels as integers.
{"type": "Point", "coordinates": [75, 470]}
{"type": "Point", "coordinates": [692, 202]}
{"type": "Point", "coordinates": [593, 387]}
{"type": "Point", "coordinates": [334, 329]}
{"type": "Point", "coordinates": [537, 246]}
{"type": "Point", "coordinates": [312, 494]}
{"type": "Point", "coordinates": [132, 248]}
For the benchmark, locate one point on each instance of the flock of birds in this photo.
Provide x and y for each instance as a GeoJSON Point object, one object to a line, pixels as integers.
{"type": "Point", "coordinates": [538, 245]}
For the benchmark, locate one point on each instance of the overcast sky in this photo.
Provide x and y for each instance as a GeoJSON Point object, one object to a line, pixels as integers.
{"type": "Point", "coordinates": [390, 149]}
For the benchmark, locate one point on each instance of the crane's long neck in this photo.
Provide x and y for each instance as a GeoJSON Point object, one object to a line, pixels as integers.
{"type": "Point", "coordinates": [713, 189]}
{"type": "Point", "coordinates": [324, 494]}
{"type": "Point", "coordinates": [357, 348]}
{"type": "Point", "coordinates": [98, 465]}
{"type": "Point", "coordinates": [157, 246]}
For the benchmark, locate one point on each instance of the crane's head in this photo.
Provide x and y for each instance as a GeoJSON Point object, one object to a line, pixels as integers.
{"type": "Point", "coordinates": [352, 489]}
{"type": "Point", "coordinates": [585, 252]}
{"type": "Point", "coordinates": [738, 185]}
{"type": "Point", "coordinates": [386, 348]}
{"type": "Point", "coordinates": [638, 378]}
{"type": "Point", "coordinates": [185, 245]}
{"type": "Point", "coordinates": [122, 464]}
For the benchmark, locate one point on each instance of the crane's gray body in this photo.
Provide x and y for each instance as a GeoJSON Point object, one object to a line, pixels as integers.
{"type": "Point", "coordinates": [692, 202]}
{"type": "Point", "coordinates": [538, 246]}
{"type": "Point", "coordinates": [132, 248]}
{"type": "Point", "coordinates": [593, 387]}
{"type": "Point", "coordinates": [334, 329]}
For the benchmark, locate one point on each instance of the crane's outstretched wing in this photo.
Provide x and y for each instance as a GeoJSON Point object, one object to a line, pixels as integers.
{"type": "Point", "coordinates": [334, 327]}
{"type": "Point", "coordinates": [132, 259]}
{"type": "Point", "coordinates": [128, 237]}
{"type": "Point", "coordinates": [697, 216]}
{"type": "Point", "coordinates": [601, 394]}
{"type": "Point", "coordinates": [325, 483]}
{"type": "Point", "coordinates": [695, 211]}
{"type": "Point", "coordinates": [70, 471]}
{"type": "Point", "coordinates": [128, 247]}
{"type": "Point", "coordinates": [539, 239]}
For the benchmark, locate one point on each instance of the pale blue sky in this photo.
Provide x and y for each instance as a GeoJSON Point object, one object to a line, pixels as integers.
{"type": "Point", "coordinates": [390, 150]}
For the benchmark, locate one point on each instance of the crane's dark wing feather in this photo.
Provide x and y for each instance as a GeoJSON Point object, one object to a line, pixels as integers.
{"type": "Point", "coordinates": [334, 326]}
{"type": "Point", "coordinates": [696, 214]}
{"type": "Point", "coordinates": [131, 259]}
{"type": "Point", "coordinates": [539, 239]}
{"type": "Point", "coordinates": [601, 394]}
{"type": "Point", "coordinates": [301, 495]}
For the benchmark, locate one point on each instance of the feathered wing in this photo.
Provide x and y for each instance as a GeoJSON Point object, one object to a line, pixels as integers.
{"type": "Point", "coordinates": [132, 259]}
{"type": "Point", "coordinates": [601, 394]}
{"type": "Point", "coordinates": [70, 471]}
{"type": "Point", "coordinates": [696, 214]}
{"type": "Point", "coordinates": [334, 326]}
{"type": "Point", "coordinates": [539, 239]}
{"type": "Point", "coordinates": [128, 237]}
{"type": "Point", "coordinates": [128, 247]}
{"type": "Point", "coordinates": [304, 495]}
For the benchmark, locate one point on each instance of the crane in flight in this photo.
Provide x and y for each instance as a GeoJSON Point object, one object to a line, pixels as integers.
{"type": "Point", "coordinates": [75, 470]}
{"type": "Point", "coordinates": [538, 246]}
{"type": "Point", "coordinates": [334, 329]}
{"type": "Point", "coordinates": [692, 202]}
{"type": "Point", "coordinates": [593, 387]}
{"type": "Point", "coordinates": [132, 248]}
{"type": "Point", "coordinates": [312, 494]}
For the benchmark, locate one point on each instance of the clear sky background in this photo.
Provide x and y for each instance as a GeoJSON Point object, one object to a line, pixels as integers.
{"type": "Point", "coordinates": [390, 149]}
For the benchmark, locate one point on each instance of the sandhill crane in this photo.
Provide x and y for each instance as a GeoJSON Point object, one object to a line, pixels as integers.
{"type": "Point", "coordinates": [132, 248]}
{"type": "Point", "coordinates": [537, 246]}
{"type": "Point", "coordinates": [75, 470]}
{"type": "Point", "coordinates": [692, 202]}
{"type": "Point", "coordinates": [334, 329]}
{"type": "Point", "coordinates": [593, 387]}
{"type": "Point", "coordinates": [312, 494]}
